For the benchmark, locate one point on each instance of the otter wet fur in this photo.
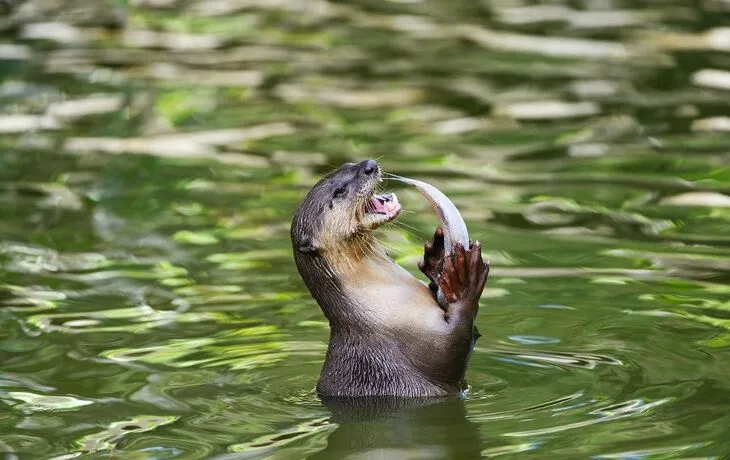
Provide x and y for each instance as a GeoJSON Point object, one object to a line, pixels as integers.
{"type": "Point", "coordinates": [389, 335]}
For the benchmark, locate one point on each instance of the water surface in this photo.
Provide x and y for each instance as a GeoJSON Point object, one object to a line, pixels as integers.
{"type": "Point", "coordinates": [152, 154]}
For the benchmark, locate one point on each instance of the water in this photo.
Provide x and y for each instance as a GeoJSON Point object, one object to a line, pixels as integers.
{"type": "Point", "coordinates": [150, 305]}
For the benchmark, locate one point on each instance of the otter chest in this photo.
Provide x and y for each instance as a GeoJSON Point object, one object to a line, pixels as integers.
{"type": "Point", "coordinates": [390, 295]}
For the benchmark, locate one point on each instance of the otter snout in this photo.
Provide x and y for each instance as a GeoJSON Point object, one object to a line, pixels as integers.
{"type": "Point", "coordinates": [369, 166]}
{"type": "Point", "coordinates": [366, 175]}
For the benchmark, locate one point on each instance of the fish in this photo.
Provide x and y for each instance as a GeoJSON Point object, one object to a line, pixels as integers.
{"type": "Point", "coordinates": [452, 223]}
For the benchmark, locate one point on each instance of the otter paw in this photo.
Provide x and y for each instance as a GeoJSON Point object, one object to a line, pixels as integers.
{"type": "Point", "coordinates": [464, 274]}
{"type": "Point", "coordinates": [433, 258]}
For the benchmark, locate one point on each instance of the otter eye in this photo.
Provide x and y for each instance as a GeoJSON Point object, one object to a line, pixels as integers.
{"type": "Point", "coordinates": [339, 191]}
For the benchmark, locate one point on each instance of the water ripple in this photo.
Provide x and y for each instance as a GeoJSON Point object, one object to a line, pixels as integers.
{"type": "Point", "coordinates": [153, 157]}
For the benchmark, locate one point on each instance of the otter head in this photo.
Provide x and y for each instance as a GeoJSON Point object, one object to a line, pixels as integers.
{"type": "Point", "coordinates": [340, 208]}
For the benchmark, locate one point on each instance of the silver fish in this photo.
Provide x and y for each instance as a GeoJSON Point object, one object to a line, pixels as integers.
{"type": "Point", "coordinates": [452, 223]}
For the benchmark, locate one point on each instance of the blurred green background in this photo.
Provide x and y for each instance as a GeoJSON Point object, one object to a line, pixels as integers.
{"type": "Point", "coordinates": [152, 153]}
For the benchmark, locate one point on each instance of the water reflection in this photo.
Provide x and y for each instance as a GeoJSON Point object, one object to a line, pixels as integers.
{"type": "Point", "coordinates": [377, 428]}
{"type": "Point", "coordinates": [405, 429]}
{"type": "Point", "coordinates": [153, 152]}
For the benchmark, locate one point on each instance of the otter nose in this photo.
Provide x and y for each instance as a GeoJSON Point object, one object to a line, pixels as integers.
{"type": "Point", "coordinates": [369, 166]}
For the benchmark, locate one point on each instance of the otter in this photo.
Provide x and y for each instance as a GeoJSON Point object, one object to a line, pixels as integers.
{"type": "Point", "coordinates": [389, 335]}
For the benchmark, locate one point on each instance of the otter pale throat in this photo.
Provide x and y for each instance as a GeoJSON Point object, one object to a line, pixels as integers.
{"type": "Point", "coordinates": [389, 336]}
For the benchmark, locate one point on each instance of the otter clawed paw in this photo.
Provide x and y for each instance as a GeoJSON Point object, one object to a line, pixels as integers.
{"type": "Point", "coordinates": [463, 275]}
{"type": "Point", "coordinates": [433, 259]}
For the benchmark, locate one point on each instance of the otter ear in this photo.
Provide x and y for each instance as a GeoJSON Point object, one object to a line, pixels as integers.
{"type": "Point", "coordinates": [307, 247]}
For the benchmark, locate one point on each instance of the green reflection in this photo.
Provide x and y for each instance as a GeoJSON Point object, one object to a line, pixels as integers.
{"type": "Point", "coordinates": [153, 155]}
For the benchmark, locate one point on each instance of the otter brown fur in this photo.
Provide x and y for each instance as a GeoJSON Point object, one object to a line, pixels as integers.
{"type": "Point", "coordinates": [388, 334]}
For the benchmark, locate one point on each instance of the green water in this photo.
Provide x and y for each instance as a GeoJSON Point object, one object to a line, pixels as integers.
{"type": "Point", "coordinates": [149, 304]}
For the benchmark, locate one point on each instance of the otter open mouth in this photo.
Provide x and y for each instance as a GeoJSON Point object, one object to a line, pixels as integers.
{"type": "Point", "coordinates": [380, 209]}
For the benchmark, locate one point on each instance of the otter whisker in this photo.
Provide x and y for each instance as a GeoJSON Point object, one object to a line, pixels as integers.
{"type": "Point", "coordinates": [389, 249]}
{"type": "Point", "coordinates": [403, 229]}
{"type": "Point", "coordinates": [371, 248]}
{"type": "Point", "coordinates": [405, 225]}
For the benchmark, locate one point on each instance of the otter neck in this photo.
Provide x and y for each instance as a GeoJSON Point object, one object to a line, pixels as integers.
{"type": "Point", "coordinates": [329, 273]}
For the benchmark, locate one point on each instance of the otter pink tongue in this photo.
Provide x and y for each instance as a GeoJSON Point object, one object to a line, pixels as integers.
{"type": "Point", "coordinates": [384, 204]}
